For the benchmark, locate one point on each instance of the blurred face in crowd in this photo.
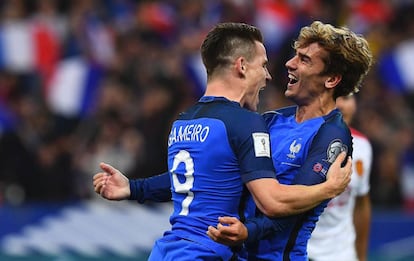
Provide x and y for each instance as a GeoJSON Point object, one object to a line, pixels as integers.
{"type": "Point", "coordinates": [347, 105]}
{"type": "Point", "coordinates": [306, 81]}
{"type": "Point", "coordinates": [257, 75]}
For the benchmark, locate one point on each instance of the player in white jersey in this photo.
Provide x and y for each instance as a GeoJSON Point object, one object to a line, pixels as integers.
{"type": "Point", "coordinates": [342, 232]}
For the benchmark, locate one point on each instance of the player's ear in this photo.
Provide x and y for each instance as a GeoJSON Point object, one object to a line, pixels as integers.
{"type": "Point", "coordinates": [332, 81]}
{"type": "Point", "coordinates": [241, 66]}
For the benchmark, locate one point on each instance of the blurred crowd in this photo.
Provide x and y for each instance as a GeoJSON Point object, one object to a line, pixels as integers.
{"type": "Point", "coordinates": [85, 81]}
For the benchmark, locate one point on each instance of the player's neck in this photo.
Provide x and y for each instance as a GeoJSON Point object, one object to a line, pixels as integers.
{"type": "Point", "coordinates": [317, 108]}
{"type": "Point", "coordinates": [224, 89]}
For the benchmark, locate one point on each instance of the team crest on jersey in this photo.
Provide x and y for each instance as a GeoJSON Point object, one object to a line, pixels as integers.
{"type": "Point", "coordinates": [294, 149]}
{"type": "Point", "coordinates": [335, 147]}
{"type": "Point", "coordinates": [261, 144]}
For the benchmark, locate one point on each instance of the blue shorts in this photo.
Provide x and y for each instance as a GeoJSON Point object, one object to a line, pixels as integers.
{"type": "Point", "coordinates": [173, 248]}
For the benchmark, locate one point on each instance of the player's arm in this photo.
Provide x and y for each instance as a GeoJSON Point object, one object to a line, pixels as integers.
{"type": "Point", "coordinates": [156, 188]}
{"type": "Point", "coordinates": [111, 184]}
{"type": "Point", "coordinates": [262, 227]}
{"type": "Point", "coordinates": [275, 199]}
{"type": "Point", "coordinates": [362, 217]}
{"type": "Point", "coordinates": [232, 232]}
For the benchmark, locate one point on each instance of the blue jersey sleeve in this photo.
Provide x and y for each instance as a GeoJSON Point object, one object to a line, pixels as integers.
{"type": "Point", "coordinates": [156, 188]}
{"type": "Point", "coordinates": [250, 139]}
{"type": "Point", "coordinates": [262, 227]}
{"type": "Point", "coordinates": [332, 138]}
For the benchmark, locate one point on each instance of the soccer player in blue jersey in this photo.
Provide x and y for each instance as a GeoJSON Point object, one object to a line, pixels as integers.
{"type": "Point", "coordinates": [330, 62]}
{"type": "Point", "coordinates": [217, 146]}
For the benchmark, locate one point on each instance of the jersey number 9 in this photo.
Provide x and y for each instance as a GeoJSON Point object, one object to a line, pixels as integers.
{"type": "Point", "coordinates": [184, 157]}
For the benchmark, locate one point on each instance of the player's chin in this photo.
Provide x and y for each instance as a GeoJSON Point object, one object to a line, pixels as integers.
{"type": "Point", "coordinates": [289, 93]}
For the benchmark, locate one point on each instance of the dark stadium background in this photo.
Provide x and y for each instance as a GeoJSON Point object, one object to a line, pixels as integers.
{"type": "Point", "coordinates": [85, 81]}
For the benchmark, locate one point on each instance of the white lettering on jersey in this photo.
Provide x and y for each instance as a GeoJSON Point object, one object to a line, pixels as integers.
{"type": "Point", "coordinates": [191, 132]}
{"type": "Point", "coordinates": [261, 144]}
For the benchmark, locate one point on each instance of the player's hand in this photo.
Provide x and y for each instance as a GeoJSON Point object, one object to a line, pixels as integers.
{"type": "Point", "coordinates": [111, 184]}
{"type": "Point", "coordinates": [339, 177]}
{"type": "Point", "coordinates": [230, 231]}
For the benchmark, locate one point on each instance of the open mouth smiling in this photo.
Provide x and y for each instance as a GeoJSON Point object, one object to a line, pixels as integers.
{"type": "Point", "coordinates": [292, 79]}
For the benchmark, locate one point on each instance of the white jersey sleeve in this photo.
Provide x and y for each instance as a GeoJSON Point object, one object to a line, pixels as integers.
{"type": "Point", "coordinates": [362, 161]}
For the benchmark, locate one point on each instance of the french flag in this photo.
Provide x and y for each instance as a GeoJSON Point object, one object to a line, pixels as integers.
{"type": "Point", "coordinates": [73, 87]}
{"type": "Point", "coordinates": [395, 67]}
{"type": "Point", "coordinates": [27, 47]}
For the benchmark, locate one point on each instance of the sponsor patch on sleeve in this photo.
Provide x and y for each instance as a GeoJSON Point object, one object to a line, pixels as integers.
{"type": "Point", "coordinates": [261, 144]}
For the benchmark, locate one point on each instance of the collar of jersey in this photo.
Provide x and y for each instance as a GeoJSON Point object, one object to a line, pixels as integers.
{"type": "Point", "coordinates": [291, 111]}
{"type": "Point", "coordinates": [213, 98]}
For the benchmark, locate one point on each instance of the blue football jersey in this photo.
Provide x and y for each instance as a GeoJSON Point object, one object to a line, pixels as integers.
{"type": "Point", "coordinates": [213, 149]}
{"type": "Point", "coordinates": [302, 154]}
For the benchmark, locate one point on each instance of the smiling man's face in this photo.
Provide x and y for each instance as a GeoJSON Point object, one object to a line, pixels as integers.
{"type": "Point", "coordinates": [305, 74]}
